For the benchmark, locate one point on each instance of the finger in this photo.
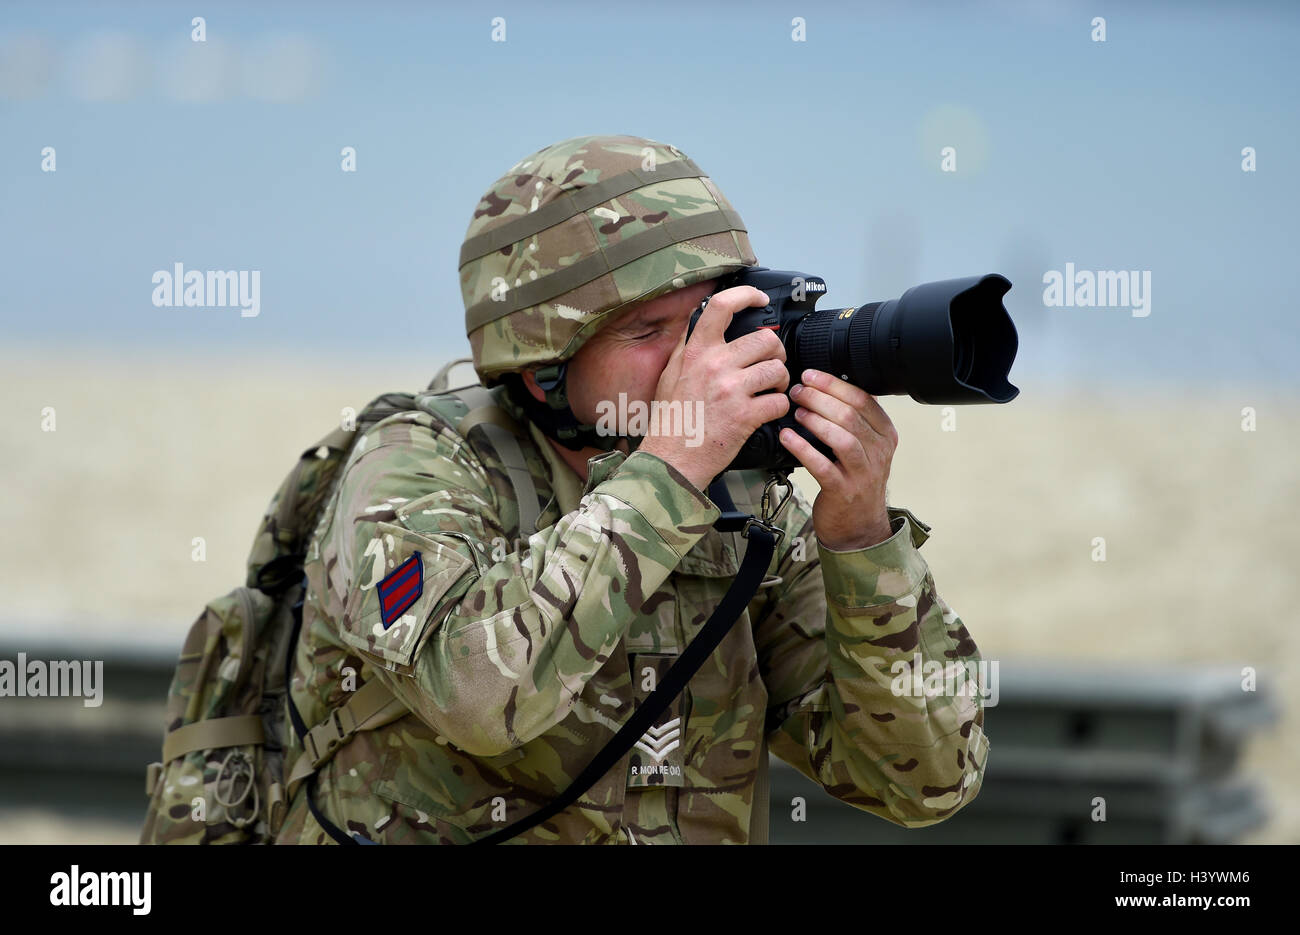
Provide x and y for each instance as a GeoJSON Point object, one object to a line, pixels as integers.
{"type": "Point", "coordinates": [765, 375]}
{"type": "Point", "coordinates": [822, 468]}
{"type": "Point", "coordinates": [859, 399]}
{"type": "Point", "coordinates": [673, 367]}
{"type": "Point", "coordinates": [770, 406]}
{"type": "Point", "coordinates": [848, 448]}
{"type": "Point", "coordinates": [824, 404]}
{"type": "Point", "coordinates": [762, 344]}
{"type": "Point", "coordinates": [718, 309]}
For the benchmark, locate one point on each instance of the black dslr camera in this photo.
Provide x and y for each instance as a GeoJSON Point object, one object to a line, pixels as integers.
{"type": "Point", "coordinates": [943, 343]}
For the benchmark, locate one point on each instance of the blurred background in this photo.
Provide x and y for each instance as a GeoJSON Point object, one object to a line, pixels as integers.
{"type": "Point", "coordinates": [1121, 538]}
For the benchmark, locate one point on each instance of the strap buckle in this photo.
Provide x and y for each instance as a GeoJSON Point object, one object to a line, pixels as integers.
{"type": "Point", "coordinates": [332, 743]}
{"type": "Point", "coordinates": [774, 530]}
{"type": "Point", "coordinates": [551, 376]}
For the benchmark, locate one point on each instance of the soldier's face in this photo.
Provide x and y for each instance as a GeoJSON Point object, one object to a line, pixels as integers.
{"type": "Point", "coordinates": [629, 355]}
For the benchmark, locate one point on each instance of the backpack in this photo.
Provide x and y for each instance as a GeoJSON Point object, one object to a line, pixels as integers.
{"type": "Point", "coordinates": [223, 778]}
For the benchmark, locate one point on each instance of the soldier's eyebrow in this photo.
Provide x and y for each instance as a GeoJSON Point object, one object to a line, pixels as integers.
{"type": "Point", "coordinates": [639, 320]}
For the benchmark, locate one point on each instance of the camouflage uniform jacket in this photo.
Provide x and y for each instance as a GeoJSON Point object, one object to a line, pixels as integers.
{"type": "Point", "coordinates": [521, 658]}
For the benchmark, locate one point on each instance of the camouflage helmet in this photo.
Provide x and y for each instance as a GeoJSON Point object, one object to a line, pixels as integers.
{"type": "Point", "coordinates": [581, 230]}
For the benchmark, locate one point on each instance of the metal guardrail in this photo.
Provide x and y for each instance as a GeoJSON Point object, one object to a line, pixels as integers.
{"type": "Point", "coordinates": [82, 762]}
{"type": "Point", "coordinates": [1160, 745]}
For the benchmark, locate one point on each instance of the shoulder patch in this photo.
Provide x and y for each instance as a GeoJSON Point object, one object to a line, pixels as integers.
{"type": "Point", "coordinates": [400, 589]}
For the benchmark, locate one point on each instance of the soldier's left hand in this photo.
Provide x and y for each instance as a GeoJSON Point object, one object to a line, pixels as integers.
{"type": "Point", "coordinates": [849, 512]}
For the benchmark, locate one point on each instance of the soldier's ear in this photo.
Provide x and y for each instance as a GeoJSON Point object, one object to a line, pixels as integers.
{"type": "Point", "coordinates": [530, 382]}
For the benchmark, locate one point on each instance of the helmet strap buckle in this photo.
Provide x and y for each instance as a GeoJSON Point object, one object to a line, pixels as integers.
{"type": "Point", "coordinates": [551, 377]}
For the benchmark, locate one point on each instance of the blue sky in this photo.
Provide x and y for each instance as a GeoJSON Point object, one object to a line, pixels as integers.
{"type": "Point", "coordinates": [1123, 154]}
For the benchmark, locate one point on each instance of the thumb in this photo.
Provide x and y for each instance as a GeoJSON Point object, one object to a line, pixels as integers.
{"type": "Point", "coordinates": [673, 368]}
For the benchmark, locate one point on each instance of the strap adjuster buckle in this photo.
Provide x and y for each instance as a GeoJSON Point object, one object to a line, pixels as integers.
{"type": "Point", "coordinates": [311, 743]}
{"type": "Point", "coordinates": [340, 734]}
{"type": "Point", "coordinates": [776, 531]}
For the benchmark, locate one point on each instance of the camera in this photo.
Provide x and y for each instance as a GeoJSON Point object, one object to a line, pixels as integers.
{"type": "Point", "coordinates": [942, 343]}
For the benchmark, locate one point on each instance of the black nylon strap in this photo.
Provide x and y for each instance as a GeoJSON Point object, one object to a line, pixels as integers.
{"type": "Point", "coordinates": [731, 520]}
{"type": "Point", "coordinates": [762, 543]}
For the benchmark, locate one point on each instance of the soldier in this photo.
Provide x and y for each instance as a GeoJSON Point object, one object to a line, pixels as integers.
{"type": "Point", "coordinates": [520, 635]}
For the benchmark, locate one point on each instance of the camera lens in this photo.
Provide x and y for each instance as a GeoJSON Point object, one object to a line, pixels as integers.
{"type": "Point", "coordinates": [940, 342]}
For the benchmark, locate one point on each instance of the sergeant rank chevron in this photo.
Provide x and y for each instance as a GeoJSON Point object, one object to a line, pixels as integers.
{"type": "Point", "coordinates": [662, 740]}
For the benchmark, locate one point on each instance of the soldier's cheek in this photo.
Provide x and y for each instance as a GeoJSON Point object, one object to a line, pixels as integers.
{"type": "Point", "coordinates": [644, 365]}
{"type": "Point", "coordinates": [632, 371]}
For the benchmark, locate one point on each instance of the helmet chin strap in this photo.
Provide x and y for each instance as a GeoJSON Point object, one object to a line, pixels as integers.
{"type": "Point", "coordinates": [553, 415]}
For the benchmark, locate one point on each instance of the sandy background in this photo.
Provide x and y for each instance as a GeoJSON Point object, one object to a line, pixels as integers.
{"type": "Point", "coordinates": [1199, 517]}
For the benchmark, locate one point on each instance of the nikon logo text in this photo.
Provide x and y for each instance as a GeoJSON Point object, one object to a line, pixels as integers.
{"type": "Point", "coordinates": [636, 418]}
{"type": "Point", "coordinates": [1106, 288]}
{"type": "Point", "coordinates": [803, 286]}
{"type": "Point", "coordinates": [213, 289]}
{"type": "Point", "coordinates": [102, 889]}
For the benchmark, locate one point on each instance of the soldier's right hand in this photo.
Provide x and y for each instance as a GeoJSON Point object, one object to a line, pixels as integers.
{"type": "Point", "coordinates": [724, 382]}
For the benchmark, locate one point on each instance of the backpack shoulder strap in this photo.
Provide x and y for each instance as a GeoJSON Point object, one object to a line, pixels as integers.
{"type": "Point", "coordinates": [503, 433]}
{"type": "Point", "coordinates": [497, 427]}
{"type": "Point", "coordinates": [371, 706]}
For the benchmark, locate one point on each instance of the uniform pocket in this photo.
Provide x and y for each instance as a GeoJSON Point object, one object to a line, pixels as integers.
{"type": "Point", "coordinates": [659, 756]}
{"type": "Point", "coordinates": [657, 627]}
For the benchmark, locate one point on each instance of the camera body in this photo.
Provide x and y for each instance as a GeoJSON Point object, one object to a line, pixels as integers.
{"type": "Point", "coordinates": [944, 343]}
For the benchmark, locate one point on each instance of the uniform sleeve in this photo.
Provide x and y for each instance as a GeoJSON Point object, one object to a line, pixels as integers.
{"type": "Point", "coordinates": [838, 645]}
{"type": "Point", "coordinates": [503, 636]}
